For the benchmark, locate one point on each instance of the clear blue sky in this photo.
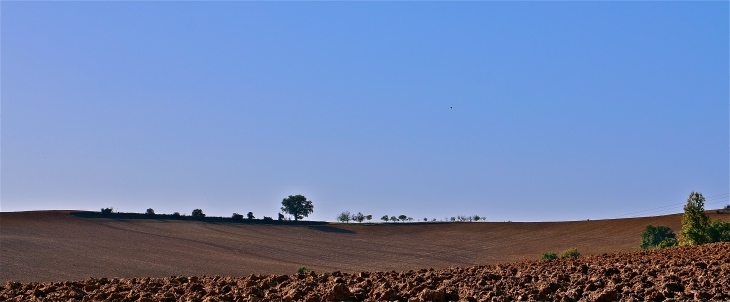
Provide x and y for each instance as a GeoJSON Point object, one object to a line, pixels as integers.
{"type": "Point", "coordinates": [561, 110]}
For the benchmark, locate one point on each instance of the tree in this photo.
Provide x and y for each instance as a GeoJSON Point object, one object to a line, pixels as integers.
{"type": "Point", "coordinates": [297, 206]}
{"type": "Point", "coordinates": [150, 212]}
{"type": "Point", "coordinates": [694, 221]}
{"type": "Point", "coordinates": [402, 218]}
{"type": "Point", "coordinates": [369, 217]}
{"type": "Point", "coordinates": [281, 217]}
{"type": "Point", "coordinates": [250, 215]}
{"type": "Point", "coordinates": [237, 216]}
{"type": "Point", "coordinates": [384, 218]}
{"type": "Point", "coordinates": [359, 217]}
{"type": "Point", "coordinates": [425, 219]}
{"type": "Point", "coordinates": [198, 213]}
{"type": "Point", "coordinates": [696, 225]}
{"type": "Point", "coordinates": [393, 218]}
{"type": "Point", "coordinates": [477, 218]}
{"type": "Point", "coordinates": [655, 235]}
{"type": "Point", "coordinates": [344, 217]}
{"type": "Point", "coordinates": [410, 219]}
{"type": "Point", "coordinates": [718, 231]}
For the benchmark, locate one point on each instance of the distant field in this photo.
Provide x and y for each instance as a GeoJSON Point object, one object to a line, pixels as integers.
{"type": "Point", "coordinates": [54, 246]}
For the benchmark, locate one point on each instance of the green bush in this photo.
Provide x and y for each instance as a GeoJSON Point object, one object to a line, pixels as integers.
{"type": "Point", "coordinates": [569, 253]}
{"type": "Point", "coordinates": [549, 256]}
{"type": "Point", "coordinates": [654, 235]}
{"type": "Point", "coordinates": [667, 242]}
{"type": "Point", "coordinates": [303, 270]}
{"type": "Point", "coordinates": [237, 216]}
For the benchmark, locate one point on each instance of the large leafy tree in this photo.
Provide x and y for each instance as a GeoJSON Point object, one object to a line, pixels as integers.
{"type": "Point", "coordinates": [297, 206]}
{"type": "Point", "coordinates": [694, 221]}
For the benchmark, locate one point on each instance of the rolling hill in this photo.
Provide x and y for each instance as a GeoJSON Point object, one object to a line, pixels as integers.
{"type": "Point", "coordinates": [54, 245]}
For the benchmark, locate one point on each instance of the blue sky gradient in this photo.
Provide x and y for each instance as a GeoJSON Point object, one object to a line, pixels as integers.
{"type": "Point", "coordinates": [561, 110]}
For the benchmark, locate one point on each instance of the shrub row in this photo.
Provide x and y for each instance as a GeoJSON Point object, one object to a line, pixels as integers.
{"type": "Point", "coordinates": [569, 253]}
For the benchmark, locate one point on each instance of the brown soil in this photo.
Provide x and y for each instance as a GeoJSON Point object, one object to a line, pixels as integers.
{"type": "Point", "coordinates": [674, 274]}
{"type": "Point", "coordinates": [54, 246]}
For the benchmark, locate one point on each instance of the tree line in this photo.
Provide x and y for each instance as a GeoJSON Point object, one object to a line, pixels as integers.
{"type": "Point", "coordinates": [346, 217]}
{"type": "Point", "coordinates": [298, 206]}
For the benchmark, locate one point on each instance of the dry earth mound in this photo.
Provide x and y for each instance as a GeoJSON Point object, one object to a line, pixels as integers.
{"type": "Point", "coordinates": [675, 274]}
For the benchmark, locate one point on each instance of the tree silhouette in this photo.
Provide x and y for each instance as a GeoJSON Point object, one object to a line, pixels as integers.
{"type": "Point", "coordinates": [297, 206]}
{"type": "Point", "coordinates": [198, 213]}
{"type": "Point", "coordinates": [344, 217]}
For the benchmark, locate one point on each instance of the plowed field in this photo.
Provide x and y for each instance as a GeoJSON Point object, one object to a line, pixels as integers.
{"type": "Point", "coordinates": [55, 246]}
{"type": "Point", "coordinates": [674, 274]}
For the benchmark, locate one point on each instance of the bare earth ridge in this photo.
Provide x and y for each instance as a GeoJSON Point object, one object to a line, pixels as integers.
{"type": "Point", "coordinates": [673, 274]}
{"type": "Point", "coordinates": [55, 246]}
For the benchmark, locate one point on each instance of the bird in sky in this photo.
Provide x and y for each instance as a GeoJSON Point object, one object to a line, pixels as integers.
{"type": "Point", "coordinates": [451, 107]}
